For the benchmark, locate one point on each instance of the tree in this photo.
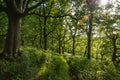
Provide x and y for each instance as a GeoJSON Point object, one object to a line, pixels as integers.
{"type": "Point", "coordinates": [110, 21]}
{"type": "Point", "coordinates": [15, 10]}
{"type": "Point", "coordinates": [112, 34]}
{"type": "Point", "coordinates": [73, 31]}
{"type": "Point", "coordinates": [91, 4]}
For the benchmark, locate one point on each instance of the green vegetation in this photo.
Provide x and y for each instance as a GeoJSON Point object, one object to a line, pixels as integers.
{"type": "Point", "coordinates": [45, 65]}
{"type": "Point", "coordinates": [59, 39]}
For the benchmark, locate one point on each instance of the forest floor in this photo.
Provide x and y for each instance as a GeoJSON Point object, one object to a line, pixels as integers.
{"type": "Point", "coordinates": [37, 64]}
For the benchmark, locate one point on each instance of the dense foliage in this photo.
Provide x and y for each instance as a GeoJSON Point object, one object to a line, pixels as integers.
{"type": "Point", "coordinates": [59, 40]}
{"type": "Point", "coordinates": [45, 65]}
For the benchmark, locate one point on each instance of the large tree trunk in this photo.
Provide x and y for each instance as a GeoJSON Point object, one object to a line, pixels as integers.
{"type": "Point", "coordinates": [12, 39]}
{"type": "Point", "coordinates": [13, 10]}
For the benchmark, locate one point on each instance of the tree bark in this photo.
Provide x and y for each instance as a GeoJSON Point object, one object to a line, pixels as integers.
{"type": "Point", "coordinates": [14, 22]}
{"type": "Point", "coordinates": [114, 50]}
{"type": "Point", "coordinates": [63, 48]}
{"type": "Point", "coordinates": [89, 36]}
{"type": "Point", "coordinates": [59, 44]}
{"type": "Point", "coordinates": [12, 39]}
{"type": "Point", "coordinates": [113, 38]}
{"type": "Point", "coordinates": [45, 35]}
{"type": "Point", "coordinates": [40, 34]}
{"type": "Point", "coordinates": [73, 44]}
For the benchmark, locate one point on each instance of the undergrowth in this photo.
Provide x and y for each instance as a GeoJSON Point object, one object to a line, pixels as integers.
{"type": "Point", "coordinates": [37, 64]}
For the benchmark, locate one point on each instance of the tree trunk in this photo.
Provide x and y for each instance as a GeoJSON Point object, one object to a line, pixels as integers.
{"type": "Point", "coordinates": [63, 48]}
{"type": "Point", "coordinates": [59, 43]}
{"type": "Point", "coordinates": [89, 36]}
{"type": "Point", "coordinates": [41, 34]}
{"type": "Point", "coordinates": [85, 51]}
{"type": "Point", "coordinates": [45, 35]}
{"type": "Point", "coordinates": [73, 44]}
{"type": "Point", "coordinates": [114, 50]}
{"type": "Point", "coordinates": [12, 40]}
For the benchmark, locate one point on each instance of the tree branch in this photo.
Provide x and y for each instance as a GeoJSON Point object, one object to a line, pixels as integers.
{"type": "Point", "coordinates": [32, 7]}
{"type": "Point", "coordinates": [50, 31]}
{"type": "Point", "coordinates": [108, 35]}
{"type": "Point", "coordinates": [26, 6]}
{"type": "Point", "coordinates": [118, 56]}
{"type": "Point", "coordinates": [118, 48]}
{"type": "Point", "coordinates": [50, 16]}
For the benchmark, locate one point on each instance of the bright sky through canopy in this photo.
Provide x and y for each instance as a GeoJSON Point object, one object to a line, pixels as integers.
{"type": "Point", "coordinates": [104, 2]}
